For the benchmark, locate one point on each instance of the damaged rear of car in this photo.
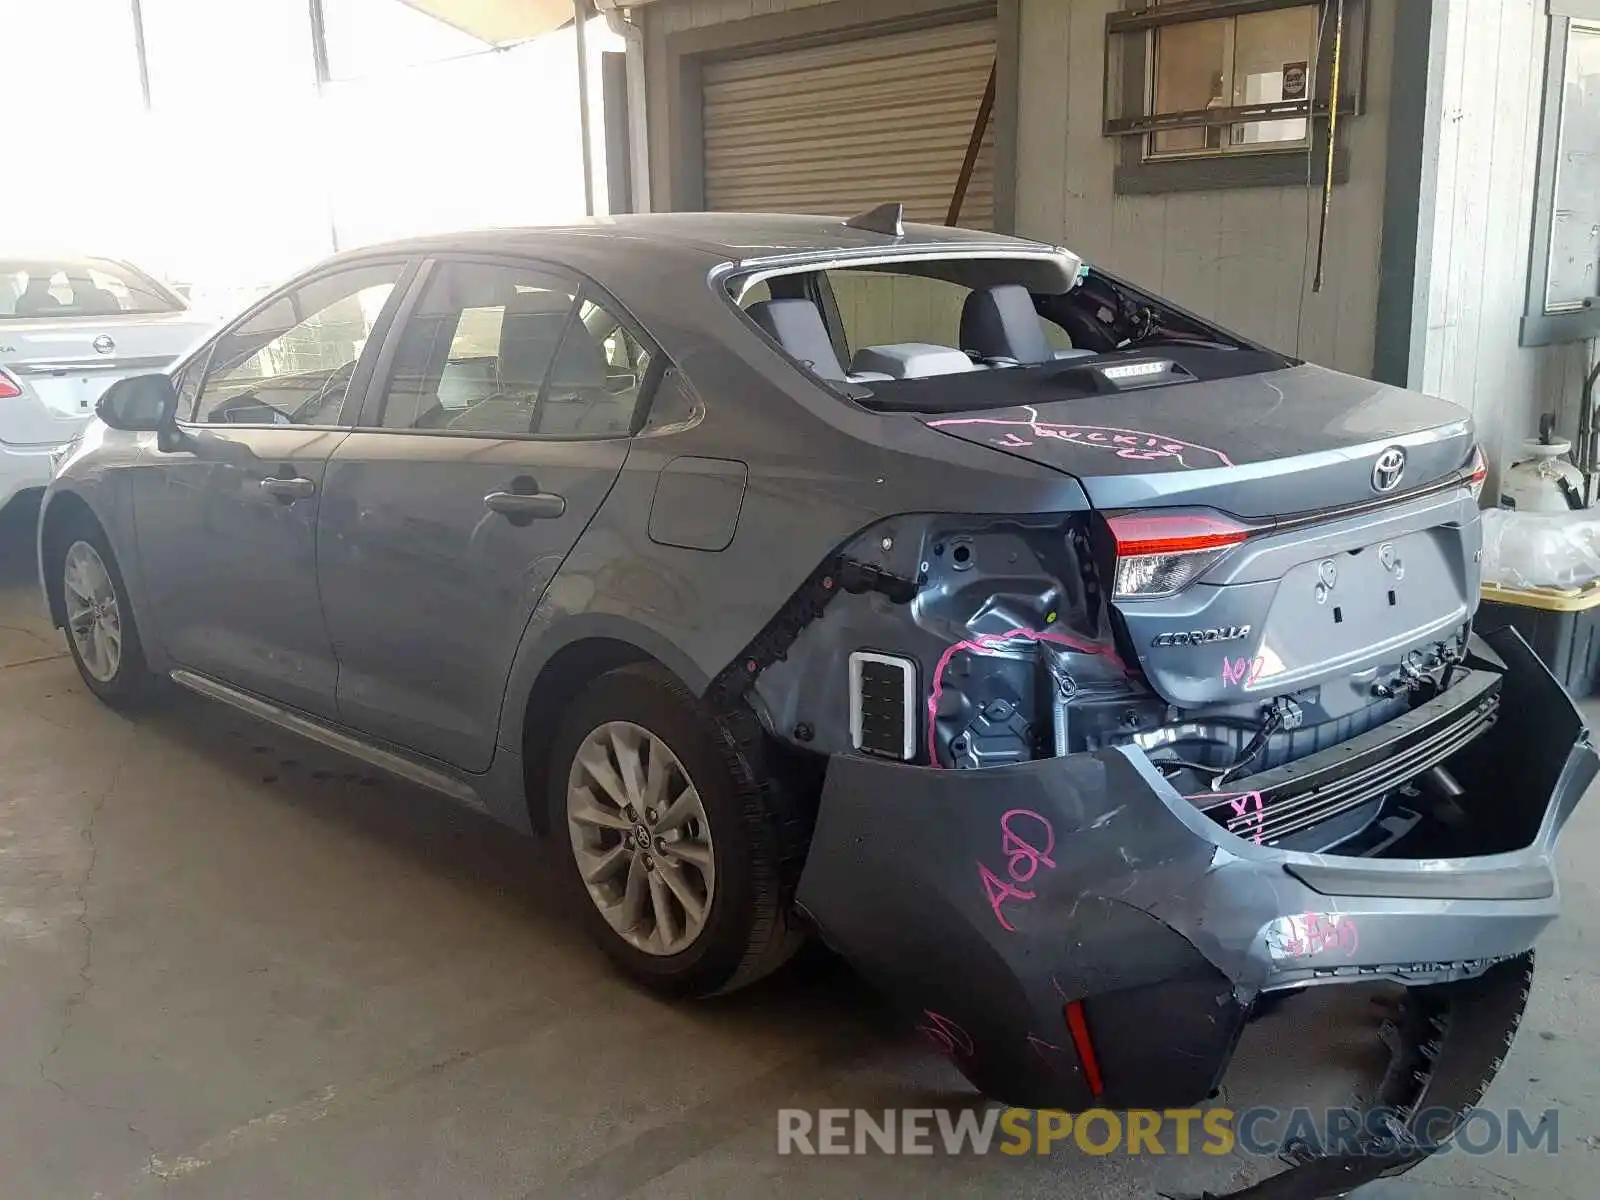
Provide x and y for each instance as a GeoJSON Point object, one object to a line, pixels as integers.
{"type": "Point", "coordinates": [1099, 782]}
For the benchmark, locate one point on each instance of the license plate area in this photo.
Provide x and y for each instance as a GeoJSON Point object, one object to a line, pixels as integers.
{"type": "Point", "coordinates": [74, 394]}
{"type": "Point", "coordinates": [1344, 602]}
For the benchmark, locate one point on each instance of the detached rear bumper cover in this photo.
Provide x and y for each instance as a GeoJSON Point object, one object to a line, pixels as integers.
{"type": "Point", "coordinates": [985, 901]}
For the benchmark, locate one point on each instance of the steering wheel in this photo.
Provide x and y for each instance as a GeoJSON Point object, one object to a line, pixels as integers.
{"type": "Point", "coordinates": [339, 377]}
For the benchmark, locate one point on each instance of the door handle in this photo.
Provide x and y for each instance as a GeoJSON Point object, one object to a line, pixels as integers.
{"type": "Point", "coordinates": [288, 490]}
{"type": "Point", "coordinates": [522, 507]}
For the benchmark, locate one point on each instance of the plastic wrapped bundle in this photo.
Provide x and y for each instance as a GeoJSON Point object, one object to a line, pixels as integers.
{"type": "Point", "coordinates": [1548, 550]}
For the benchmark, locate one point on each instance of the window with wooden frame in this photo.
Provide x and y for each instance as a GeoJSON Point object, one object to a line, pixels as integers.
{"type": "Point", "coordinates": [1216, 78]}
{"type": "Point", "coordinates": [1563, 303]}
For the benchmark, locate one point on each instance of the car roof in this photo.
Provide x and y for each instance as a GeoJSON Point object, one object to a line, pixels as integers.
{"type": "Point", "coordinates": [658, 265]}
{"type": "Point", "coordinates": [715, 238]}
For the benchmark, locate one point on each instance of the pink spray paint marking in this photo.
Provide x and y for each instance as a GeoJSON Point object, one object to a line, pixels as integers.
{"type": "Point", "coordinates": [1249, 813]}
{"type": "Point", "coordinates": [1242, 671]}
{"type": "Point", "coordinates": [945, 1034]}
{"type": "Point", "coordinates": [1135, 444]}
{"type": "Point", "coordinates": [1040, 1046]}
{"type": "Point", "coordinates": [988, 641]}
{"type": "Point", "coordinates": [1018, 849]}
{"type": "Point", "coordinates": [998, 892]}
{"type": "Point", "coordinates": [1312, 933]}
{"type": "Point", "coordinates": [1023, 860]}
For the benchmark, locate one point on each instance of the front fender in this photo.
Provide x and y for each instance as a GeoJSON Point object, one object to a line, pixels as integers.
{"type": "Point", "coordinates": [87, 479]}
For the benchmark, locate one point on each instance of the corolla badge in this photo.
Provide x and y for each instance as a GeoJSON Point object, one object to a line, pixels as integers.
{"type": "Point", "coordinates": [104, 345]}
{"type": "Point", "coordinates": [1387, 470]}
{"type": "Point", "coordinates": [1203, 637]}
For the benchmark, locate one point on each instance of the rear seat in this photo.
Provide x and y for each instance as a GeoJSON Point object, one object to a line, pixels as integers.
{"type": "Point", "coordinates": [1000, 326]}
{"type": "Point", "coordinates": [909, 360]}
{"type": "Point", "coordinates": [797, 326]}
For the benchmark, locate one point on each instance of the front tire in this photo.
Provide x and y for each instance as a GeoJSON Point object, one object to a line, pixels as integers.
{"type": "Point", "coordinates": [101, 633]}
{"type": "Point", "coordinates": [665, 825]}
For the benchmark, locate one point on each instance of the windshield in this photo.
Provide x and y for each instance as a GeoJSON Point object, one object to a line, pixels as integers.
{"type": "Point", "coordinates": [947, 335]}
{"type": "Point", "coordinates": [52, 288]}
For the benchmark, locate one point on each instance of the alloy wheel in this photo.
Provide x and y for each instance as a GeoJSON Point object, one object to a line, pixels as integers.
{"type": "Point", "coordinates": [640, 838]}
{"type": "Point", "coordinates": [94, 619]}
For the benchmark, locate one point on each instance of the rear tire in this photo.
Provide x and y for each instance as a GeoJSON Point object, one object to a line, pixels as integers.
{"type": "Point", "coordinates": [102, 635]}
{"type": "Point", "coordinates": [676, 859]}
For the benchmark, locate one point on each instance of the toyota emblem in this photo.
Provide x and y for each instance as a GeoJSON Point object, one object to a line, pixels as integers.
{"type": "Point", "coordinates": [104, 345]}
{"type": "Point", "coordinates": [1387, 470]}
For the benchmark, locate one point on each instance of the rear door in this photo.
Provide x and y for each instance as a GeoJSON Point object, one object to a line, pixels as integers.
{"type": "Point", "coordinates": [226, 519]}
{"type": "Point", "coordinates": [497, 425]}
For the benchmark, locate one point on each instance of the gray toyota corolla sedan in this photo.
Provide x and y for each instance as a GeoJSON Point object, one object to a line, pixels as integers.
{"type": "Point", "coordinates": [1086, 674]}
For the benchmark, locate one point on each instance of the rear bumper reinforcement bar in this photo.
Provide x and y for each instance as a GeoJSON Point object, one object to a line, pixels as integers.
{"type": "Point", "coordinates": [1298, 795]}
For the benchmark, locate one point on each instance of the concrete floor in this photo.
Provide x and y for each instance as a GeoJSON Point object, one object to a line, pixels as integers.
{"type": "Point", "coordinates": [232, 965]}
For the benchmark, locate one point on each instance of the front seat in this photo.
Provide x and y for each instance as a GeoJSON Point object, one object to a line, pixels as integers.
{"type": "Point", "coordinates": [577, 401]}
{"type": "Point", "coordinates": [531, 325]}
{"type": "Point", "coordinates": [92, 300]}
{"type": "Point", "coordinates": [1000, 324]}
{"type": "Point", "coordinates": [530, 331]}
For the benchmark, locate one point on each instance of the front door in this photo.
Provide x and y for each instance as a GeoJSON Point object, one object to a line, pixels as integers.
{"type": "Point", "coordinates": [226, 515]}
{"type": "Point", "coordinates": [495, 434]}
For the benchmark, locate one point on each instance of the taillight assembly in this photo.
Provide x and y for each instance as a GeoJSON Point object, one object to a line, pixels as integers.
{"type": "Point", "coordinates": [1158, 554]}
{"type": "Point", "coordinates": [9, 387]}
{"type": "Point", "coordinates": [1478, 473]}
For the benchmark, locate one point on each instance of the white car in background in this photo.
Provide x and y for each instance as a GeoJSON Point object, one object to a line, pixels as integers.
{"type": "Point", "coordinates": [69, 328]}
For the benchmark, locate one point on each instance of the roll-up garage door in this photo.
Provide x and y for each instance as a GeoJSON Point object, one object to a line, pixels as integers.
{"type": "Point", "coordinates": [838, 129]}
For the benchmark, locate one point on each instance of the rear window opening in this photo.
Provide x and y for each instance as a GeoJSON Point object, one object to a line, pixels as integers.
{"type": "Point", "coordinates": [50, 289]}
{"type": "Point", "coordinates": [949, 335]}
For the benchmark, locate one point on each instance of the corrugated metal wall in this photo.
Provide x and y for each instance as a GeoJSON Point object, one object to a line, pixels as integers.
{"type": "Point", "coordinates": [841, 128]}
{"type": "Point", "coordinates": [677, 15]}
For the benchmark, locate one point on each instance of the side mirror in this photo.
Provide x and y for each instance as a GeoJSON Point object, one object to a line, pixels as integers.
{"type": "Point", "coordinates": [139, 404]}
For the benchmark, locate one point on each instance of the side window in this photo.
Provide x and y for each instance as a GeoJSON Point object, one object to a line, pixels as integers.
{"type": "Point", "coordinates": [512, 352]}
{"type": "Point", "coordinates": [291, 363]}
{"type": "Point", "coordinates": [474, 354]}
{"type": "Point", "coordinates": [186, 382]}
{"type": "Point", "coordinates": [573, 407]}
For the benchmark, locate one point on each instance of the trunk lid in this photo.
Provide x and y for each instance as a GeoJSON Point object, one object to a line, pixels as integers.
{"type": "Point", "coordinates": [1259, 446]}
{"type": "Point", "coordinates": [63, 365]}
{"type": "Point", "coordinates": [1341, 581]}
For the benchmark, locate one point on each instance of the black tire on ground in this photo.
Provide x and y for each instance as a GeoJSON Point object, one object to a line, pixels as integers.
{"type": "Point", "coordinates": [749, 930]}
{"type": "Point", "coordinates": [132, 685]}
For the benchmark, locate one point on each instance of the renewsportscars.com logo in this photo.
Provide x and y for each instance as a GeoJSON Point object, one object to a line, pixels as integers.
{"type": "Point", "coordinates": [1267, 1132]}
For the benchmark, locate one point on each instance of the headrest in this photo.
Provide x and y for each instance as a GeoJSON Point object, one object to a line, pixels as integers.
{"type": "Point", "coordinates": [540, 337]}
{"type": "Point", "coordinates": [36, 296]}
{"type": "Point", "coordinates": [93, 299]}
{"type": "Point", "coordinates": [1001, 322]}
{"type": "Point", "coordinates": [580, 361]}
{"type": "Point", "coordinates": [540, 301]}
{"type": "Point", "coordinates": [528, 342]}
{"type": "Point", "coordinates": [797, 326]}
